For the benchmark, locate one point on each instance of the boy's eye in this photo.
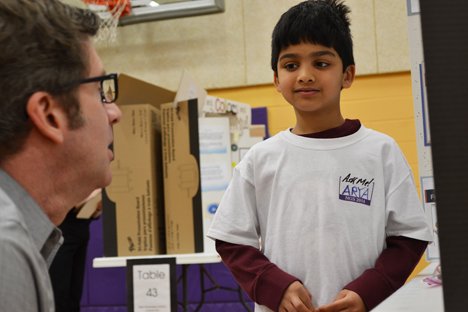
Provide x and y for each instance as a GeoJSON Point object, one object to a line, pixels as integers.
{"type": "Point", "coordinates": [321, 64]}
{"type": "Point", "coordinates": [290, 66]}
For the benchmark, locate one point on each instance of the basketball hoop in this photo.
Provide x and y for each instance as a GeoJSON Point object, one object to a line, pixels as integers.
{"type": "Point", "coordinates": [109, 11]}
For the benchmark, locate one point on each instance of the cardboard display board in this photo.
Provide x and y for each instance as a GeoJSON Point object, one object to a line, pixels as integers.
{"type": "Point", "coordinates": [136, 187]}
{"type": "Point", "coordinates": [192, 180]}
{"type": "Point", "coordinates": [181, 167]}
{"type": "Point", "coordinates": [131, 92]}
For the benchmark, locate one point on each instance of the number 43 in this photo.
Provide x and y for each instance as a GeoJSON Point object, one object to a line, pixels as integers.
{"type": "Point", "coordinates": [152, 292]}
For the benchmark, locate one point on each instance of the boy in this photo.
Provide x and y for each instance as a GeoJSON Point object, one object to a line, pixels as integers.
{"type": "Point", "coordinates": [333, 203]}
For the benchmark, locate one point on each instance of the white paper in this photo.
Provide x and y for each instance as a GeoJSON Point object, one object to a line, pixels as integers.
{"type": "Point", "coordinates": [428, 200]}
{"type": "Point", "coordinates": [215, 168]}
{"type": "Point", "coordinates": [415, 6]}
{"type": "Point", "coordinates": [240, 113]}
{"type": "Point", "coordinates": [211, 202]}
{"type": "Point", "coordinates": [213, 139]}
{"type": "Point", "coordinates": [243, 113]}
{"type": "Point", "coordinates": [215, 176]}
{"type": "Point", "coordinates": [151, 288]}
{"type": "Point", "coordinates": [190, 89]}
{"type": "Point", "coordinates": [214, 105]}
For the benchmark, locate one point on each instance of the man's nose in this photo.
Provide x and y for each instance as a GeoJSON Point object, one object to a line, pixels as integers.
{"type": "Point", "coordinates": [114, 113]}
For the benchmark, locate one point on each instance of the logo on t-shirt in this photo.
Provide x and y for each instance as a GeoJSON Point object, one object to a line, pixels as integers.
{"type": "Point", "coordinates": [356, 189]}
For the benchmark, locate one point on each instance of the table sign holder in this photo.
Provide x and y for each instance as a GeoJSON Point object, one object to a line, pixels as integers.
{"type": "Point", "coordinates": [152, 285]}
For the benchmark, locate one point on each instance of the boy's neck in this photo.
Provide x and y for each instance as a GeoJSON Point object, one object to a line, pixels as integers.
{"type": "Point", "coordinates": [307, 125]}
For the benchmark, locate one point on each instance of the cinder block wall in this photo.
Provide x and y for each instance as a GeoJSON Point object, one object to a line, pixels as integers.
{"type": "Point", "coordinates": [232, 49]}
{"type": "Point", "coordinates": [381, 102]}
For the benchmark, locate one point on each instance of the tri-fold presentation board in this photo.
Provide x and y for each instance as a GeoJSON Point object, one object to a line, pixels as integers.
{"type": "Point", "coordinates": [171, 169]}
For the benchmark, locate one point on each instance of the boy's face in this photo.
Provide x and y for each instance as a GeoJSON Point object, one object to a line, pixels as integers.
{"type": "Point", "coordinates": [310, 77]}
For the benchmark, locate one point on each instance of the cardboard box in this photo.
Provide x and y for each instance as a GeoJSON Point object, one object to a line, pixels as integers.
{"type": "Point", "coordinates": [133, 210]}
{"type": "Point", "coordinates": [181, 167]}
{"type": "Point", "coordinates": [136, 188]}
{"type": "Point", "coordinates": [191, 163]}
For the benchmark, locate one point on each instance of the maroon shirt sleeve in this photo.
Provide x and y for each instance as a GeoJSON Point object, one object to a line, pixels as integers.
{"type": "Point", "coordinates": [265, 283]}
{"type": "Point", "coordinates": [390, 272]}
{"type": "Point", "coordinates": [262, 280]}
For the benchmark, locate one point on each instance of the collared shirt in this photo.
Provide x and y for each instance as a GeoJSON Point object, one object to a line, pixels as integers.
{"type": "Point", "coordinates": [28, 243]}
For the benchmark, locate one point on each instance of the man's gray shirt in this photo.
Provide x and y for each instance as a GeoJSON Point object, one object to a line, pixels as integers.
{"type": "Point", "coordinates": [28, 243]}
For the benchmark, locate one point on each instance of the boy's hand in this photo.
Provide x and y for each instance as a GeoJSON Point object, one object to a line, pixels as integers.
{"type": "Point", "coordinates": [346, 301]}
{"type": "Point", "coordinates": [296, 298]}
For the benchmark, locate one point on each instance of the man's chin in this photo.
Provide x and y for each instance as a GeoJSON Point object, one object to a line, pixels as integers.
{"type": "Point", "coordinates": [108, 180]}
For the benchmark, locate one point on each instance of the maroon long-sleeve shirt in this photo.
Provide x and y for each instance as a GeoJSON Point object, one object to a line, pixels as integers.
{"type": "Point", "coordinates": [265, 283]}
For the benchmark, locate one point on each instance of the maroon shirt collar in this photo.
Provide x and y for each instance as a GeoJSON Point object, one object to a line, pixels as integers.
{"type": "Point", "coordinates": [349, 127]}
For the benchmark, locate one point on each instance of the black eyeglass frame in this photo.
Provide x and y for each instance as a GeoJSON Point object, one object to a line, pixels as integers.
{"type": "Point", "coordinates": [113, 76]}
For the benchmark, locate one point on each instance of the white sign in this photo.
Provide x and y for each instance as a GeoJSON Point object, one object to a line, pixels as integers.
{"type": "Point", "coordinates": [150, 286]}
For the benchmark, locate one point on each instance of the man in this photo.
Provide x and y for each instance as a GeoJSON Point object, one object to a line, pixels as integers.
{"type": "Point", "coordinates": [55, 130]}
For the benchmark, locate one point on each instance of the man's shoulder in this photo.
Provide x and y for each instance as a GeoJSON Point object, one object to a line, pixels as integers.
{"type": "Point", "coordinates": [12, 224]}
{"type": "Point", "coordinates": [12, 228]}
{"type": "Point", "coordinates": [16, 246]}
{"type": "Point", "coordinates": [20, 262]}
{"type": "Point", "coordinates": [9, 212]}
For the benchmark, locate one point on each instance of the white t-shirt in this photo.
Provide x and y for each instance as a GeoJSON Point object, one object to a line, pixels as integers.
{"type": "Point", "coordinates": [322, 207]}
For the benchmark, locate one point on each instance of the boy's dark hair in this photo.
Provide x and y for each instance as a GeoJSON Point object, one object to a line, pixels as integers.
{"type": "Point", "coordinates": [324, 22]}
{"type": "Point", "coordinates": [42, 49]}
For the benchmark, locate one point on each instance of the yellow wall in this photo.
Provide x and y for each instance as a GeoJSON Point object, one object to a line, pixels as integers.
{"type": "Point", "coordinates": [382, 102]}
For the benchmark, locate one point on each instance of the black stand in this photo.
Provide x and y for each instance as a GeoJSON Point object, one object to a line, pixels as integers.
{"type": "Point", "coordinates": [203, 273]}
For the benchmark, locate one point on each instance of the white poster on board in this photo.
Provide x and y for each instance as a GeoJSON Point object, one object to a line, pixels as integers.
{"type": "Point", "coordinates": [215, 168]}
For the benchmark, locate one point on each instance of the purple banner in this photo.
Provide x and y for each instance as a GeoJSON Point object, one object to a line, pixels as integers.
{"type": "Point", "coordinates": [355, 199]}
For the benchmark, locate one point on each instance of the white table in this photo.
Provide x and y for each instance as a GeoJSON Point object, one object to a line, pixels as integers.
{"type": "Point", "coordinates": [415, 296]}
{"type": "Point", "coordinates": [185, 260]}
{"type": "Point", "coordinates": [194, 258]}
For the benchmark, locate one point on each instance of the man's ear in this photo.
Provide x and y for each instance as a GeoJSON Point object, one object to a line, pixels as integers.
{"type": "Point", "coordinates": [47, 116]}
{"type": "Point", "coordinates": [348, 77]}
{"type": "Point", "coordinates": [276, 81]}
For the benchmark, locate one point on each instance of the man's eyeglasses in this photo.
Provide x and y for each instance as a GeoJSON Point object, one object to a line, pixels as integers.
{"type": "Point", "coordinates": [109, 86]}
